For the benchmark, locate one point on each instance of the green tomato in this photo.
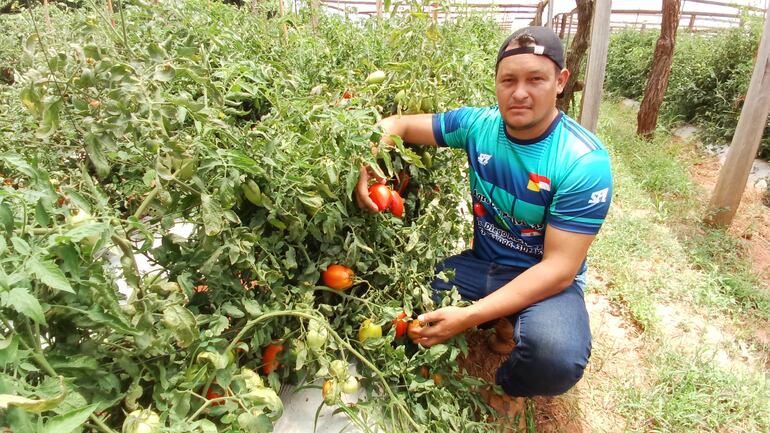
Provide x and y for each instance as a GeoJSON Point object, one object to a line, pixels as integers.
{"type": "Point", "coordinates": [316, 339]}
{"type": "Point", "coordinates": [376, 77]}
{"type": "Point", "coordinates": [350, 386]}
{"type": "Point", "coordinates": [251, 191]}
{"type": "Point", "coordinates": [141, 421]}
{"type": "Point", "coordinates": [369, 330]}
{"type": "Point", "coordinates": [338, 368]}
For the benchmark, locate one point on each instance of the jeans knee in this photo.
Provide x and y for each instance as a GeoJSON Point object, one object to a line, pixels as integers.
{"type": "Point", "coordinates": [541, 373]}
{"type": "Point", "coordinates": [559, 374]}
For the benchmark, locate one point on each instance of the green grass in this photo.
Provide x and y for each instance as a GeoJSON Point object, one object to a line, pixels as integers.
{"type": "Point", "coordinates": [654, 250]}
{"type": "Point", "coordinates": [690, 394]}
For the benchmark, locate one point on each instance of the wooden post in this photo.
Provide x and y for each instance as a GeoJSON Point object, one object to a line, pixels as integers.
{"type": "Point", "coordinates": [538, 19]}
{"type": "Point", "coordinates": [550, 14]}
{"type": "Point", "coordinates": [379, 8]}
{"type": "Point", "coordinates": [109, 12]}
{"type": "Point", "coordinates": [282, 12]}
{"type": "Point", "coordinates": [314, 13]}
{"type": "Point", "coordinates": [434, 12]}
{"type": "Point", "coordinates": [733, 176]}
{"type": "Point", "coordinates": [561, 27]}
{"type": "Point", "coordinates": [691, 27]}
{"type": "Point", "coordinates": [46, 14]}
{"type": "Point", "coordinates": [569, 28]}
{"type": "Point", "coordinates": [657, 79]}
{"type": "Point", "coordinates": [597, 62]}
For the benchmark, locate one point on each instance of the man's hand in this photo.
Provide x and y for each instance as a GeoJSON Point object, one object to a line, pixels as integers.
{"type": "Point", "coordinates": [362, 190]}
{"type": "Point", "coordinates": [445, 323]}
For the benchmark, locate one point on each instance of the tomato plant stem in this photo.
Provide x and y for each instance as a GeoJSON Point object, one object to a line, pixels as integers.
{"type": "Point", "coordinates": [146, 202]}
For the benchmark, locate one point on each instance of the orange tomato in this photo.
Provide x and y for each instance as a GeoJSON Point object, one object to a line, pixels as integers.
{"type": "Point", "coordinates": [269, 363]}
{"type": "Point", "coordinates": [414, 325]}
{"type": "Point", "coordinates": [338, 277]}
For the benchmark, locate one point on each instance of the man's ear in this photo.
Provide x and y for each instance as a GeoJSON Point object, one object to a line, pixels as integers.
{"type": "Point", "coordinates": [561, 80]}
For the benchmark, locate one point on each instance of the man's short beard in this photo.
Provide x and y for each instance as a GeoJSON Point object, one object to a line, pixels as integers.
{"type": "Point", "coordinates": [520, 128]}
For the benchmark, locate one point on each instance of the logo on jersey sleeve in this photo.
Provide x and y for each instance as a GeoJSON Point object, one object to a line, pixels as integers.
{"type": "Point", "coordinates": [599, 196]}
{"type": "Point", "coordinates": [484, 158]}
{"type": "Point", "coordinates": [537, 182]}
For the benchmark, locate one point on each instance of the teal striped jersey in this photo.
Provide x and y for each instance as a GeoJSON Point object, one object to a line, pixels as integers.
{"type": "Point", "coordinates": [521, 187]}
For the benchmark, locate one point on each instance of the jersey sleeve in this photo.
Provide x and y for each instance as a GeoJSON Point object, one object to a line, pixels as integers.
{"type": "Point", "coordinates": [452, 128]}
{"type": "Point", "coordinates": [583, 198]}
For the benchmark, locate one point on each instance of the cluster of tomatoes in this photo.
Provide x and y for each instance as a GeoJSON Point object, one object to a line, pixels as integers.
{"type": "Point", "coordinates": [341, 277]}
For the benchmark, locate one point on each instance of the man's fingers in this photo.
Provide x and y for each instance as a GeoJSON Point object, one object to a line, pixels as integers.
{"type": "Point", "coordinates": [362, 191]}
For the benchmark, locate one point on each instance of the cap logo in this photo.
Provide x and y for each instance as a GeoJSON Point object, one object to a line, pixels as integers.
{"type": "Point", "coordinates": [539, 50]}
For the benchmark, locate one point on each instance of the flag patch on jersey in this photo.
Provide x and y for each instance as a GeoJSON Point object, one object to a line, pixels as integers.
{"type": "Point", "coordinates": [530, 233]}
{"type": "Point", "coordinates": [537, 182]}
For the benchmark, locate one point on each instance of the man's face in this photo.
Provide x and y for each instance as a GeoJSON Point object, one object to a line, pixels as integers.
{"type": "Point", "coordinates": [526, 86]}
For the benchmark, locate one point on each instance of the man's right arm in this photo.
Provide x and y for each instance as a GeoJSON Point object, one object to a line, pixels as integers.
{"type": "Point", "coordinates": [413, 129]}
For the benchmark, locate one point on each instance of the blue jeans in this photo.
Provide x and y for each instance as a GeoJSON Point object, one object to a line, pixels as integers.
{"type": "Point", "coordinates": [553, 337]}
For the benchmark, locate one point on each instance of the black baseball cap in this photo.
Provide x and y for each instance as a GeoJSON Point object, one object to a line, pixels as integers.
{"type": "Point", "coordinates": [546, 44]}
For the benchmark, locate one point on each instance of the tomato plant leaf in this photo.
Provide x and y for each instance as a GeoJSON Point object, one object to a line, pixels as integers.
{"type": "Point", "coordinates": [69, 421]}
{"type": "Point", "coordinates": [212, 214]}
{"type": "Point", "coordinates": [182, 323]}
{"type": "Point", "coordinates": [218, 360]}
{"type": "Point", "coordinates": [97, 157]}
{"type": "Point", "coordinates": [32, 405]}
{"type": "Point", "coordinates": [104, 318]}
{"type": "Point", "coordinates": [23, 302]}
{"type": "Point", "coordinates": [6, 218]}
{"type": "Point", "coordinates": [9, 348]}
{"type": "Point", "coordinates": [49, 274]}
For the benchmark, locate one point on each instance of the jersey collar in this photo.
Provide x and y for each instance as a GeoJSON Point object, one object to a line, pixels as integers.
{"type": "Point", "coordinates": [545, 134]}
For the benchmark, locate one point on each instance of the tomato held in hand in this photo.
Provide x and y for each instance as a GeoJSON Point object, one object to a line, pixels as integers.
{"type": "Point", "coordinates": [396, 204]}
{"type": "Point", "coordinates": [400, 324]}
{"type": "Point", "coordinates": [269, 363]}
{"type": "Point", "coordinates": [414, 325]}
{"type": "Point", "coordinates": [380, 195]}
{"type": "Point", "coordinates": [338, 277]}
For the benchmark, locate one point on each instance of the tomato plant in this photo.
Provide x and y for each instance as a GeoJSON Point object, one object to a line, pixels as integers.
{"type": "Point", "coordinates": [214, 178]}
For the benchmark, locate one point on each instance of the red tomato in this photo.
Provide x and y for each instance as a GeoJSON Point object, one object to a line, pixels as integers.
{"type": "Point", "coordinates": [269, 363]}
{"type": "Point", "coordinates": [212, 394]}
{"type": "Point", "coordinates": [347, 94]}
{"type": "Point", "coordinates": [479, 210]}
{"type": "Point", "coordinates": [400, 324]}
{"type": "Point", "coordinates": [380, 194]}
{"type": "Point", "coordinates": [338, 277]}
{"type": "Point", "coordinates": [396, 204]}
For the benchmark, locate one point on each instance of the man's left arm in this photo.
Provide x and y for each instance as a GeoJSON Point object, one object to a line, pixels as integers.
{"type": "Point", "coordinates": [563, 254]}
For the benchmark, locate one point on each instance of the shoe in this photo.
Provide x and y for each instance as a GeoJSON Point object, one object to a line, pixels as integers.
{"type": "Point", "coordinates": [511, 411]}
